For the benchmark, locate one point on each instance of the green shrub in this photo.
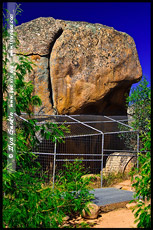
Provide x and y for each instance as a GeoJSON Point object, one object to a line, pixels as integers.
{"type": "Point", "coordinates": [113, 178]}
{"type": "Point", "coordinates": [142, 183]}
{"type": "Point", "coordinates": [74, 187]}
{"type": "Point", "coordinates": [108, 179]}
{"type": "Point", "coordinates": [140, 100]}
{"type": "Point", "coordinates": [33, 205]}
{"type": "Point", "coordinates": [26, 203]}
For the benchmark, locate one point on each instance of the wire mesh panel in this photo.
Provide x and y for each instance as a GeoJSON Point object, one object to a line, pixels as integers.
{"type": "Point", "coordinates": [91, 139]}
{"type": "Point", "coordinates": [78, 129]}
{"type": "Point", "coordinates": [85, 148]}
{"type": "Point", "coordinates": [46, 162]}
{"type": "Point", "coordinates": [121, 141]}
{"type": "Point", "coordinates": [90, 118]}
{"type": "Point", "coordinates": [45, 156]}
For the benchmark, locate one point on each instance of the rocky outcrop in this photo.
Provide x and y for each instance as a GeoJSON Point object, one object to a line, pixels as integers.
{"type": "Point", "coordinates": [81, 67]}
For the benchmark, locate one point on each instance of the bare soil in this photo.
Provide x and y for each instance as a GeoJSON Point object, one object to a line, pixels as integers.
{"type": "Point", "coordinates": [118, 216]}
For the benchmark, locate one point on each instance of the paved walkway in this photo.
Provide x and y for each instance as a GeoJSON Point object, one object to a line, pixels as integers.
{"type": "Point", "coordinates": [104, 196]}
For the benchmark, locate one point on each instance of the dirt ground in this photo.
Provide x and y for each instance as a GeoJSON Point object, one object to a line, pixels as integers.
{"type": "Point", "coordinates": [119, 217]}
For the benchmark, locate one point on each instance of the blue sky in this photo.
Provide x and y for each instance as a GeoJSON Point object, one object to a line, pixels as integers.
{"type": "Point", "coordinates": [134, 18]}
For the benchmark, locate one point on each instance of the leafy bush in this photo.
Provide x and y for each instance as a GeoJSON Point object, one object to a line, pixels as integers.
{"type": "Point", "coordinates": [142, 183]}
{"type": "Point", "coordinates": [33, 205]}
{"type": "Point", "coordinates": [140, 103]}
{"type": "Point", "coordinates": [24, 98]}
{"type": "Point", "coordinates": [74, 187]}
{"type": "Point", "coordinates": [26, 202]}
{"type": "Point", "coordinates": [108, 179]}
{"type": "Point", "coordinates": [113, 178]}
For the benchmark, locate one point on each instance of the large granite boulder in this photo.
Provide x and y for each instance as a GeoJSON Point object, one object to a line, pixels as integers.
{"type": "Point", "coordinates": [81, 67]}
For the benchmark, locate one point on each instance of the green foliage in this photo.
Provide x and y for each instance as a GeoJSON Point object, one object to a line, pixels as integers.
{"type": "Point", "coordinates": [109, 179]}
{"type": "Point", "coordinates": [24, 98]}
{"type": "Point", "coordinates": [27, 202]}
{"type": "Point", "coordinates": [129, 138]}
{"type": "Point", "coordinates": [140, 102]}
{"type": "Point", "coordinates": [83, 225]}
{"type": "Point", "coordinates": [26, 137]}
{"type": "Point", "coordinates": [75, 171]}
{"type": "Point", "coordinates": [24, 202]}
{"type": "Point", "coordinates": [142, 182]}
{"type": "Point", "coordinates": [33, 205]}
{"type": "Point", "coordinates": [113, 178]}
{"type": "Point", "coordinates": [74, 187]}
{"type": "Point", "coordinates": [16, 11]}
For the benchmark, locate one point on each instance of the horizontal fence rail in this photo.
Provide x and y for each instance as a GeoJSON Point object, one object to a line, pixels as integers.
{"type": "Point", "coordinates": [92, 140]}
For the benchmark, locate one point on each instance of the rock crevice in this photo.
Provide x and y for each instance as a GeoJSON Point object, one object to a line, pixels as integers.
{"type": "Point", "coordinates": [57, 35]}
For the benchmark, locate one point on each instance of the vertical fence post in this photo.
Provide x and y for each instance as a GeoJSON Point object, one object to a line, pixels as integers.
{"type": "Point", "coordinates": [137, 149]}
{"type": "Point", "coordinates": [102, 159]}
{"type": "Point", "coordinates": [54, 165]}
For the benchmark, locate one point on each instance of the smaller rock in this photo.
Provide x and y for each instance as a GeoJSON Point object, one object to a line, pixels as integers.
{"type": "Point", "coordinates": [131, 205]}
{"type": "Point", "coordinates": [93, 211]}
{"type": "Point", "coordinates": [65, 218]}
{"type": "Point", "coordinates": [117, 186]}
{"type": "Point", "coordinates": [127, 188]}
{"type": "Point", "coordinates": [64, 226]}
{"type": "Point", "coordinates": [79, 217]}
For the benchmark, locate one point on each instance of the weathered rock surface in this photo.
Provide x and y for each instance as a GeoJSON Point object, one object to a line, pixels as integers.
{"type": "Point", "coordinates": [38, 36]}
{"type": "Point", "coordinates": [40, 77]}
{"type": "Point", "coordinates": [36, 39]}
{"type": "Point", "coordinates": [92, 213]}
{"type": "Point", "coordinates": [119, 162]}
{"type": "Point", "coordinates": [87, 68]}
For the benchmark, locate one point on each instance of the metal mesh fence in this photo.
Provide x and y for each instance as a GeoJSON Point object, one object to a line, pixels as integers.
{"type": "Point", "coordinates": [86, 148]}
{"type": "Point", "coordinates": [91, 139]}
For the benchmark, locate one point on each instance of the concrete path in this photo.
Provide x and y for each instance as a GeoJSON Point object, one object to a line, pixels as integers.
{"type": "Point", "coordinates": [104, 196]}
